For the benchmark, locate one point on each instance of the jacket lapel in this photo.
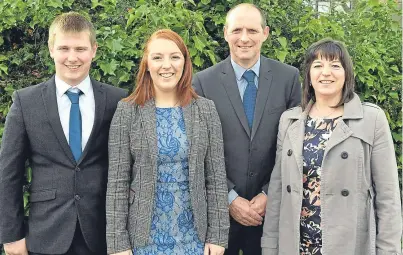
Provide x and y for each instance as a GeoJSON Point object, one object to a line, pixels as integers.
{"type": "Point", "coordinates": [52, 112]}
{"type": "Point", "coordinates": [100, 104]}
{"type": "Point", "coordinates": [265, 82]}
{"type": "Point", "coordinates": [228, 80]}
{"type": "Point", "coordinates": [192, 123]}
{"type": "Point", "coordinates": [149, 123]}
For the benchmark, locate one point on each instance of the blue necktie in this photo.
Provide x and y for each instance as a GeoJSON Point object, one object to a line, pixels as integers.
{"type": "Point", "coordinates": [249, 97]}
{"type": "Point", "coordinates": [75, 125]}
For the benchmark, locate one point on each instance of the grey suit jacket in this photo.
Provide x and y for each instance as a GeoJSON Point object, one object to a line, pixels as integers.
{"type": "Point", "coordinates": [62, 190]}
{"type": "Point", "coordinates": [132, 176]}
{"type": "Point", "coordinates": [250, 154]}
{"type": "Point", "coordinates": [359, 194]}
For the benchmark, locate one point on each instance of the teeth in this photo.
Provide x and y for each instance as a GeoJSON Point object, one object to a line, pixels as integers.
{"type": "Point", "coordinates": [326, 82]}
{"type": "Point", "coordinates": [73, 67]}
{"type": "Point", "coordinates": [166, 75]}
{"type": "Point", "coordinates": [245, 47]}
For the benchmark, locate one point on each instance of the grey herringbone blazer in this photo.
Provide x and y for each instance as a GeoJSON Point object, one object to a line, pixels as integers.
{"type": "Point", "coordinates": [132, 176]}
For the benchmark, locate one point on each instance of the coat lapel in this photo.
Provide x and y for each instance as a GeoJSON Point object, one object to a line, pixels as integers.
{"type": "Point", "coordinates": [296, 133]}
{"type": "Point", "coordinates": [100, 104]}
{"type": "Point", "coordinates": [149, 123]}
{"type": "Point", "coordinates": [228, 80]}
{"type": "Point", "coordinates": [265, 82]}
{"type": "Point", "coordinates": [52, 112]}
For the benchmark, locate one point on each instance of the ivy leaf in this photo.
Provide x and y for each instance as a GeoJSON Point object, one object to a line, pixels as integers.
{"type": "Point", "coordinates": [283, 42]}
{"type": "Point", "coordinates": [55, 3]}
{"type": "Point", "coordinates": [198, 43]}
{"type": "Point", "coordinates": [394, 95]}
{"type": "Point", "coordinates": [109, 67]}
{"type": "Point", "coordinates": [281, 55]}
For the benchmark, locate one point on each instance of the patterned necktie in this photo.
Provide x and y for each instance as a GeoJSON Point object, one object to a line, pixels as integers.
{"type": "Point", "coordinates": [249, 97]}
{"type": "Point", "coordinates": [75, 125]}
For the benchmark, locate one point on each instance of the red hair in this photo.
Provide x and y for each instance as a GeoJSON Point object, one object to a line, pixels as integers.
{"type": "Point", "coordinates": [145, 91]}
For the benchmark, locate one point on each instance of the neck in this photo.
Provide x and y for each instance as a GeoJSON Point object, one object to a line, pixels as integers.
{"type": "Point", "coordinates": [165, 100]}
{"type": "Point", "coordinates": [247, 64]}
{"type": "Point", "coordinates": [323, 102]}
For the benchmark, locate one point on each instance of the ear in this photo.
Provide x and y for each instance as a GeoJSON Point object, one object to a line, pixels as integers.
{"type": "Point", "coordinates": [51, 49]}
{"type": "Point", "coordinates": [94, 49]}
{"type": "Point", "coordinates": [225, 33]}
{"type": "Point", "coordinates": [266, 32]}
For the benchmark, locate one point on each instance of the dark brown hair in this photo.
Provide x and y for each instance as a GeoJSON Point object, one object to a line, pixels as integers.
{"type": "Point", "coordinates": [144, 90]}
{"type": "Point", "coordinates": [328, 49]}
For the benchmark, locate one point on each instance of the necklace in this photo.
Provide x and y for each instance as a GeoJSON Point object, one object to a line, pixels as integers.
{"type": "Point", "coordinates": [324, 117]}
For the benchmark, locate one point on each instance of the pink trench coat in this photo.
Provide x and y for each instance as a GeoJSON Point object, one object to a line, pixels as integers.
{"type": "Point", "coordinates": [360, 200]}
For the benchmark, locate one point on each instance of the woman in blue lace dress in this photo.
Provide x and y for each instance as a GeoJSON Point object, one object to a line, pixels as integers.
{"type": "Point", "coordinates": [166, 189]}
{"type": "Point", "coordinates": [334, 188]}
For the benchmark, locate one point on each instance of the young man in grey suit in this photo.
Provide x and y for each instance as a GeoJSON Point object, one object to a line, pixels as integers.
{"type": "Point", "coordinates": [61, 127]}
{"type": "Point", "coordinates": [250, 92]}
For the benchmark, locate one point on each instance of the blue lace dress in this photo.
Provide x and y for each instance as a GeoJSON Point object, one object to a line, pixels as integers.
{"type": "Point", "coordinates": [172, 228]}
{"type": "Point", "coordinates": [317, 134]}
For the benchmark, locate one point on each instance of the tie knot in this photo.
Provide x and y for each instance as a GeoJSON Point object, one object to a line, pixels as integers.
{"type": "Point", "coordinates": [73, 96]}
{"type": "Point", "coordinates": [249, 76]}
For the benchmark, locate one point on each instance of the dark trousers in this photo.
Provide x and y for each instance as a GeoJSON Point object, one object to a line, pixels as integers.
{"type": "Point", "coordinates": [77, 247]}
{"type": "Point", "coordinates": [244, 238]}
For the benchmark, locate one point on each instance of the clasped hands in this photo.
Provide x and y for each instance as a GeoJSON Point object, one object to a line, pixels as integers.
{"type": "Point", "coordinates": [249, 213]}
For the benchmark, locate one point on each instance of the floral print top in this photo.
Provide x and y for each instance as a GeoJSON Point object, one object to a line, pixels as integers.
{"type": "Point", "coordinates": [172, 228]}
{"type": "Point", "coordinates": [317, 133]}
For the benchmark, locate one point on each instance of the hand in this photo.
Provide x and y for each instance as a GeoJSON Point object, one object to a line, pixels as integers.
{"type": "Point", "coordinates": [128, 252]}
{"type": "Point", "coordinates": [16, 248]}
{"type": "Point", "coordinates": [258, 203]}
{"type": "Point", "coordinates": [212, 249]}
{"type": "Point", "coordinates": [241, 211]}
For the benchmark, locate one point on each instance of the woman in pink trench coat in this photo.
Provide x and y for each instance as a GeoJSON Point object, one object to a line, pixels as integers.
{"type": "Point", "coordinates": [334, 188]}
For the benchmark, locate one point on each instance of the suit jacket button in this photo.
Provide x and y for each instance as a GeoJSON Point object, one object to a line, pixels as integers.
{"type": "Point", "coordinates": [344, 155]}
{"type": "Point", "coordinates": [78, 169]}
{"type": "Point", "coordinates": [345, 192]}
{"type": "Point", "coordinates": [288, 188]}
{"type": "Point", "coordinates": [289, 152]}
{"type": "Point", "coordinates": [251, 174]}
{"type": "Point", "coordinates": [77, 197]}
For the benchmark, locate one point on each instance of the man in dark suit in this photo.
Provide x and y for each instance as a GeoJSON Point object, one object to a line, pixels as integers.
{"type": "Point", "coordinates": [61, 127]}
{"type": "Point", "coordinates": [250, 93]}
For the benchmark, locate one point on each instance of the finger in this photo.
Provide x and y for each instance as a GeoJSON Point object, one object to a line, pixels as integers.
{"type": "Point", "coordinates": [251, 221]}
{"type": "Point", "coordinates": [206, 249]}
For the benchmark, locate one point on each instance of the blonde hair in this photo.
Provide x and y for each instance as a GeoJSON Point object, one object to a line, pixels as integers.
{"type": "Point", "coordinates": [71, 22]}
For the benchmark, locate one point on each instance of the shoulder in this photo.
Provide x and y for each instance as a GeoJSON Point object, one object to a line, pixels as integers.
{"type": "Point", "coordinates": [204, 104]}
{"type": "Point", "coordinates": [292, 113]}
{"type": "Point", "coordinates": [372, 113]}
{"type": "Point", "coordinates": [30, 90]}
{"type": "Point", "coordinates": [278, 66]}
{"type": "Point", "coordinates": [212, 69]}
{"type": "Point", "coordinates": [115, 91]}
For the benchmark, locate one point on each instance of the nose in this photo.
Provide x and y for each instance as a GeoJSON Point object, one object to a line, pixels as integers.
{"type": "Point", "coordinates": [244, 35]}
{"type": "Point", "coordinates": [166, 63]}
{"type": "Point", "coordinates": [326, 70]}
{"type": "Point", "coordinates": [72, 56]}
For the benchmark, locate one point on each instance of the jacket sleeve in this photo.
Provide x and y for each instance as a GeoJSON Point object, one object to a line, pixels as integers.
{"type": "Point", "coordinates": [386, 186]}
{"type": "Point", "coordinates": [269, 241]}
{"type": "Point", "coordinates": [119, 175]}
{"type": "Point", "coordinates": [216, 189]}
{"type": "Point", "coordinates": [13, 155]}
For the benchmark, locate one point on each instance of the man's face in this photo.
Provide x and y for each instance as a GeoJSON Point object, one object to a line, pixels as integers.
{"type": "Point", "coordinates": [245, 35]}
{"type": "Point", "coordinates": [72, 53]}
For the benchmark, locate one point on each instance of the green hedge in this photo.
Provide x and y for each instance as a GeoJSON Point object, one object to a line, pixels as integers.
{"type": "Point", "coordinates": [370, 31]}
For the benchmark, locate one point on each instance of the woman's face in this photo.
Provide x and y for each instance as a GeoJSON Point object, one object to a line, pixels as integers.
{"type": "Point", "coordinates": [327, 77]}
{"type": "Point", "coordinates": [165, 64]}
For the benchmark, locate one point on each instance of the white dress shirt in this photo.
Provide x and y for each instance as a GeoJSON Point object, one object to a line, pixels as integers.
{"type": "Point", "coordinates": [87, 107]}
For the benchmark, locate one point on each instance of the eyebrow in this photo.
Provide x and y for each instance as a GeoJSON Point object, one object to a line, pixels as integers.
{"type": "Point", "coordinates": [159, 53]}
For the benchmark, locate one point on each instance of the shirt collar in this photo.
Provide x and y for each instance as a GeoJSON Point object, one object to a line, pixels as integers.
{"type": "Point", "coordinates": [239, 70]}
{"type": "Point", "coordinates": [62, 87]}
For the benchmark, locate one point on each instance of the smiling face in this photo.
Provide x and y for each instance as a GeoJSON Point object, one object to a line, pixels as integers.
{"type": "Point", "coordinates": [72, 54]}
{"type": "Point", "coordinates": [327, 78]}
{"type": "Point", "coordinates": [165, 63]}
{"type": "Point", "coordinates": [245, 35]}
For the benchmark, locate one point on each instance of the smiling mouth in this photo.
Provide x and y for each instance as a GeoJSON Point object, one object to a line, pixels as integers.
{"type": "Point", "coordinates": [326, 82]}
{"type": "Point", "coordinates": [167, 75]}
{"type": "Point", "coordinates": [73, 67]}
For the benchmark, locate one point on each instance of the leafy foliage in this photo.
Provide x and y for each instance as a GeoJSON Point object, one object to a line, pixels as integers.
{"type": "Point", "coordinates": [369, 30]}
